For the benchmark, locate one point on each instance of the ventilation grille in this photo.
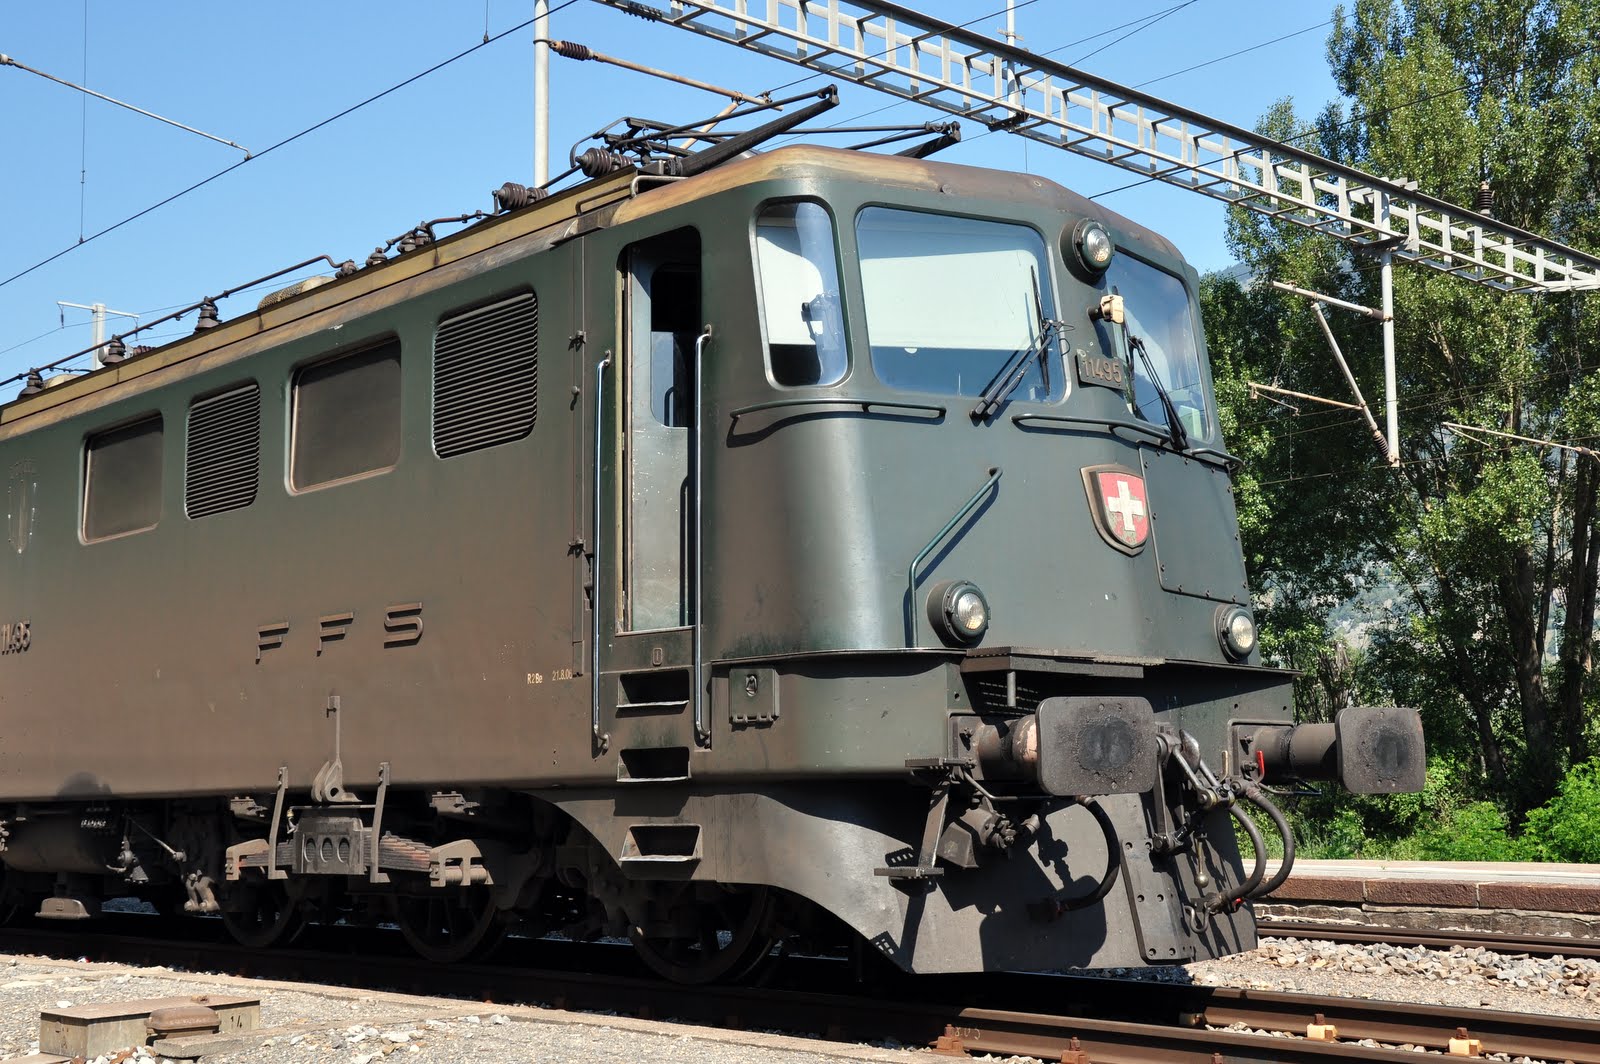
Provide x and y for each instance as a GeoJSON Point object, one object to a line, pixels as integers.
{"type": "Point", "coordinates": [222, 462]}
{"type": "Point", "coordinates": [486, 376]}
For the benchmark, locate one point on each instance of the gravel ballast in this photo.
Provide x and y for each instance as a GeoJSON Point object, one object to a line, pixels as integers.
{"type": "Point", "coordinates": [303, 1023]}
{"type": "Point", "coordinates": [306, 1024]}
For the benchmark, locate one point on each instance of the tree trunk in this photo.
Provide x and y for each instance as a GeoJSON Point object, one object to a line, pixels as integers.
{"type": "Point", "coordinates": [1517, 601]}
{"type": "Point", "coordinates": [1583, 568]}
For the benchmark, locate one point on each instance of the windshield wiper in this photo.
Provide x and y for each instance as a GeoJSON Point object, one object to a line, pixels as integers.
{"type": "Point", "coordinates": [1180, 439]}
{"type": "Point", "coordinates": [1016, 368]}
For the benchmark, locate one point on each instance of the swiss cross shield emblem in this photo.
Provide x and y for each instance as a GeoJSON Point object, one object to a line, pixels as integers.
{"type": "Point", "coordinates": [1119, 505]}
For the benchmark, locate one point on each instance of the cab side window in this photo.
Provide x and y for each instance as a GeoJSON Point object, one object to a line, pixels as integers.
{"type": "Point", "coordinates": [797, 273]}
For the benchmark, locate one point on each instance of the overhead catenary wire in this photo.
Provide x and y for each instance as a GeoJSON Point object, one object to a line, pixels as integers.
{"type": "Point", "coordinates": [1142, 19]}
{"type": "Point", "coordinates": [1367, 116]}
{"type": "Point", "coordinates": [1438, 397]}
{"type": "Point", "coordinates": [6, 60]}
{"type": "Point", "coordinates": [83, 131]}
{"type": "Point", "coordinates": [285, 142]}
{"type": "Point", "coordinates": [1234, 55]}
{"type": "Point", "coordinates": [879, 55]}
{"type": "Point", "coordinates": [1383, 466]}
{"type": "Point", "coordinates": [1160, 16]}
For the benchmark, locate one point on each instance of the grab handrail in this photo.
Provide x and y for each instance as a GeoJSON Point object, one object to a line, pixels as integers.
{"type": "Point", "coordinates": [995, 473]}
{"type": "Point", "coordinates": [866, 405]}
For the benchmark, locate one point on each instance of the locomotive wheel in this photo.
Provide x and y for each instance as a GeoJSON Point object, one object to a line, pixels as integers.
{"type": "Point", "coordinates": [735, 935]}
{"type": "Point", "coordinates": [269, 918]}
{"type": "Point", "coordinates": [452, 928]}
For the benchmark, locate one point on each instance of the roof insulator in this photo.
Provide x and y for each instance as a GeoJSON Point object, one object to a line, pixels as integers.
{"type": "Point", "coordinates": [597, 162]}
{"type": "Point", "coordinates": [572, 50]}
{"type": "Point", "coordinates": [417, 238]}
{"type": "Point", "coordinates": [208, 317]}
{"type": "Point", "coordinates": [347, 267]}
{"type": "Point", "coordinates": [113, 352]}
{"type": "Point", "coordinates": [377, 258]}
{"type": "Point", "coordinates": [35, 383]}
{"type": "Point", "coordinates": [512, 196]}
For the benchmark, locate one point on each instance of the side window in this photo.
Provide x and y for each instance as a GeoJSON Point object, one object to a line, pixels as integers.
{"type": "Point", "coordinates": [222, 454]}
{"type": "Point", "coordinates": [674, 295]}
{"type": "Point", "coordinates": [122, 480]}
{"type": "Point", "coordinates": [486, 376]}
{"type": "Point", "coordinates": [346, 417]}
{"type": "Point", "coordinates": [798, 276]}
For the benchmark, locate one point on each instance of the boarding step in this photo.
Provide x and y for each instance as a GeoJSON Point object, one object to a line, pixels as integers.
{"type": "Point", "coordinates": [653, 692]}
{"type": "Point", "coordinates": [653, 764]}
{"type": "Point", "coordinates": [659, 849]}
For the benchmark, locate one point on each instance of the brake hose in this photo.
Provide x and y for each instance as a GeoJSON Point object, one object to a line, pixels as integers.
{"type": "Point", "coordinates": [1229, 902]}
{"type": "Point", "coordinates": [1253, 793]}
{"type": "Point", "coordinates": [1113, 861]}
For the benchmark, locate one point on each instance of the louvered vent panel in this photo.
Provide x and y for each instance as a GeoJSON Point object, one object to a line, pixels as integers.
{"type": "Point", "coordinates": [486, 376]}
{"type": "Point", "coordinates": [222, 463]}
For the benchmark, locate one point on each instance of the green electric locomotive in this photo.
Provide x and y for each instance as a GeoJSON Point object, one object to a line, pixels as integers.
{"type": "Point", "coordinates": [816, 546]}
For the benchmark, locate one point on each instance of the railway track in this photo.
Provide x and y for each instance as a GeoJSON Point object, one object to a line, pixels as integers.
{"type": "Point", "coordinates": [1354, 934]}
{"type": "Point", "coordinates": [1074, 1019]}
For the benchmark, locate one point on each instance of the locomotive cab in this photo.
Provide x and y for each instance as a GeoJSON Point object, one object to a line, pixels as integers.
{"type": "Point", "coordinates": [960, 575]}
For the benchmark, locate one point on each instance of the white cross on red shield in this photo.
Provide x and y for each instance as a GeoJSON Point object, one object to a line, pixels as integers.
{"type": "Point", "coordinates": [1121, 509]}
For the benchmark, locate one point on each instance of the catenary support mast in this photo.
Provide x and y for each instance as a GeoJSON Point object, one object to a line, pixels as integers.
{"type": "Point", "coordinates": [902, 52]}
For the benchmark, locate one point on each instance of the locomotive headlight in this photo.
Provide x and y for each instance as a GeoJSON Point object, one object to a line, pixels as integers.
{"type": "Point", "coordinates": [958, 611]}
{"type": "Point", "coordinates": [1236, 630]}
{"type": "Point", "coordinates": [1093, 244]}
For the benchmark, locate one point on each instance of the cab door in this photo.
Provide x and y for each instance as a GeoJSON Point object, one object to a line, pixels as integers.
{"type": "Point", "coordinates": [647, 678]}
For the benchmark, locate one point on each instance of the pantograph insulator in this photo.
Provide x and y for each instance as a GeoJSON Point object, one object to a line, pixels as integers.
{"type": "Point", "coordinates": [512, 196]}
{"type": "Point", "coordinates": [597, 162]}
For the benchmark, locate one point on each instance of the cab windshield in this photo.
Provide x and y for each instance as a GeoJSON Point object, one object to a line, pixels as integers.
{"type": "Point", "coordinates": [952, 302]}
{"type": "Point", "coordinates": [1158, 313]}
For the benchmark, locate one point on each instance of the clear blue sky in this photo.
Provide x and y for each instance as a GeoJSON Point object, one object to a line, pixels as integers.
{"type": "Point", "coordinates": [255, 74]}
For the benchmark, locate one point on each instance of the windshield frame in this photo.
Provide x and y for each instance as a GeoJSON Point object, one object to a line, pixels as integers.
{"type": "Point", "coordinates": [1209, 430]}
{"type": "Point", "coordinates": [1059, 373]}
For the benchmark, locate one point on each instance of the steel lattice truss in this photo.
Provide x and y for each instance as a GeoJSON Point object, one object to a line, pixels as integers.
{"type": "Point", "coordinates": [899, 51]}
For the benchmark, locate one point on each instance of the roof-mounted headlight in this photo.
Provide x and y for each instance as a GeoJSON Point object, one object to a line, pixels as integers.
{"type": "Point", "coordinates": [1093, 246]}
{"type": "Point", "coordinates": [958, 612]}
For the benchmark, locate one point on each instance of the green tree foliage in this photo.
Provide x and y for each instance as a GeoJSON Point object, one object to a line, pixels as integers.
{"type": "Point", "coordinates": [1473, 562]}
{"type": "Point", "coordinates": [1567, 827]}
{"type": "Point", "coordinates": [1475, 832]}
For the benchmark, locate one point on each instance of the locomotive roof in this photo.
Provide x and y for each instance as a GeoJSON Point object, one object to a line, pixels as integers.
{"type": "Point", "coordinates": [605, 201]}
{"type": "Point", "coordinates": [812, 161]}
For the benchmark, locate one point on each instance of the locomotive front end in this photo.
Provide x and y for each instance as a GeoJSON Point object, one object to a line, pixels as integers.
{"type": "Point", "coordinates": [976, 611]}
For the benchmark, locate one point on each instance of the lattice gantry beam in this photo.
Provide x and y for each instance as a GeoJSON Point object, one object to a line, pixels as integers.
{"type": "Point", "coordinates": [907, 54]}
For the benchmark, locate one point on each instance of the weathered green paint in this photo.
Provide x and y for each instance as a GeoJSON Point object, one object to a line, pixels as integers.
{"type": "Point", "coordinates": [143, 678]}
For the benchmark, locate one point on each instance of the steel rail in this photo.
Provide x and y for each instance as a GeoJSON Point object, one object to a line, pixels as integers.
{"type": "Point", "coordinates": [1129, 1022]}
{"type": "Point", "coordinates": [1366, 934]}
